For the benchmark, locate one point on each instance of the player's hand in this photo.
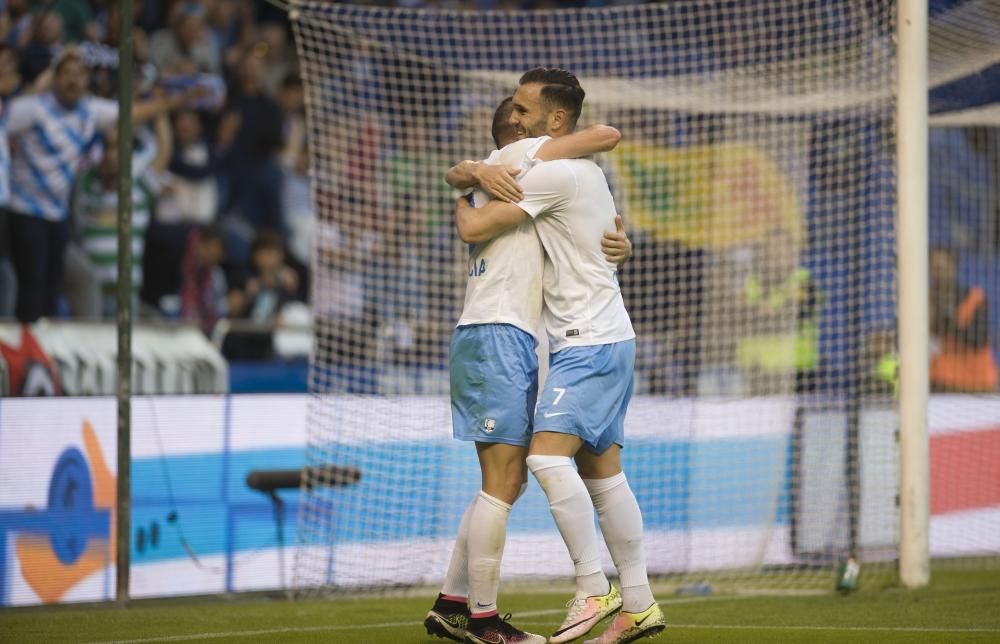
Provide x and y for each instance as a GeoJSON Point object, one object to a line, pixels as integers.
{"type": "Point", "coordinates": [498, 181]}
{"type": "Point", "coordinates": [617, 247]}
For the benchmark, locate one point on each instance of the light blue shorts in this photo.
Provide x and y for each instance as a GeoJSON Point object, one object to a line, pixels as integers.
{"type": "Point", "coordinates": [494, 383]}
{"type": "Point", "coordinates": [587, 393]}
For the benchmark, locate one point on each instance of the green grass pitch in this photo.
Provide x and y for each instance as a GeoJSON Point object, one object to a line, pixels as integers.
{"type": "Point", "coordinates": [957, 607]}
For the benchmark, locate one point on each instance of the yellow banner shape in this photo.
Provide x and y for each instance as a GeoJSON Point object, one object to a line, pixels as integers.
{"type": "Point", "coordinates": [706, 196]}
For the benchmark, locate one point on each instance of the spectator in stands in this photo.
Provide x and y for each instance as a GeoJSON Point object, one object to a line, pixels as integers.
{"type": "Point", "coordinates": [101, 57]}
{"type": "Point", "coordinates": [96, 206]}
{"type": "Point", "coordinates": [194, 191]}
{"type": "Point", "coordinates": [150, 15]}
{"type": "Point", "coordinates": [780, 313]}
{"type": "Point", "coordinates": [663, 287]}
{"type": "Point", "coordinates": [81, 282]}
{"type": "Point", "coordinates": [77, 19]}
{"type": "Point", "coordinates": [50, 133]}
{"type": "Point", "coordinates": [203, 289]}
{"type": "Point", "coordinates": [272, 282]}
{"type": "Point", "coordinates": [44, 45]}
{"type": "Point", "coordinates": [291, 97]}
{"type": "Point", "coordinates": [185, 47]}
{"type": "Point", "coordinates": [9, 82]}
{"type": "Point", "coordinates": [18, 32]}
{"type": "Point", "coordinates": [300, 216]}
{"type": "Point", "coordinates": [962, 357]}
{"type": "Point", "coordinates": [251, 132]}
{"type": "Point", "coordinates": [297, 206]}
{"type": "Point", "coordinates": [231, 25]}
{"type": "Point", "coordinates": [189, 197]}
{"type": "Point", "coordinates": [271, 285]}
{"type": "Point", "coordinates": [346, 319]}
{"type": "Point", "coordinates": [272, 48]}
{"type": "Point", "coordinates": [882, 359]}
{"type": "Point", "coordinates": [416, 168]}
{"type": "Point", "coordinates": [140, 39]}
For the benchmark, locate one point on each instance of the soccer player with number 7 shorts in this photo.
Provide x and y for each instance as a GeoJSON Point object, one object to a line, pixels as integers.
{"type": "Point", "coordinates": [494, 371]}
{"type": "Point", "coordinates": [580, 414]}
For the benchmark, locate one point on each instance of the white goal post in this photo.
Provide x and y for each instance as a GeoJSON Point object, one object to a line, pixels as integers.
{"type": "Point", "coordinates": [911, 275]}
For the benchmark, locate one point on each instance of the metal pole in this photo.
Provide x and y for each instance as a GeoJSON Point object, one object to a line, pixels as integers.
{"type": "Point", "coordinates": [856, 373]}
{"type": "Point", "coordinates": [912, 314]}
{"type": "Point", "coordinates": [124, 383]}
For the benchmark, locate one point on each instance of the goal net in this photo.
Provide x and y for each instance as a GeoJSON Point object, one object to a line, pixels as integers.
{"type": "Point", "coordinates": [756, 180]}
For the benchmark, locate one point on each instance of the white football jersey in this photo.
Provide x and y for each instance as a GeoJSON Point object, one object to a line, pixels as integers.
{"type": "Point", "coordinates": [505, 273]}
{"type": "Point", "coordinates": [572, 208]}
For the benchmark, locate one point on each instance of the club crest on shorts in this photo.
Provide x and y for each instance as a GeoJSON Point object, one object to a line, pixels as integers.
{"type": "Point", "coordinates": [489, 425]}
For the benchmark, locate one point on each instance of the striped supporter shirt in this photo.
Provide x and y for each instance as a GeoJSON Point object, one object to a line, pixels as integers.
{"type": "Point", "coordinates": [96, 210]}
{"type": "Point", "coordinates": [48, 141]}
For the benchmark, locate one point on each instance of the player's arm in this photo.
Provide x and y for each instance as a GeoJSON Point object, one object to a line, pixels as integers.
{"type": "Point", "coordinates": [478, 225]}
{"type": "Point", "coordinates": [617, 247]}
{"type": "Point", "coordinates": [497, 180]}
{"type": "Point", "coordinates": [591, 140]}
{"type": "Point", "coordinates": [547, 187]}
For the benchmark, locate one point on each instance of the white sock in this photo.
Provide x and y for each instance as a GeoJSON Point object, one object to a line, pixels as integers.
{"type": "Point", "coordinates": [621, 522]}
{"type": "Point", "coordinates": [487, 534]}
{"type": "Point", "coordinates": [456, 580]}
{"type": "Point", "coordinates": [573, 512]}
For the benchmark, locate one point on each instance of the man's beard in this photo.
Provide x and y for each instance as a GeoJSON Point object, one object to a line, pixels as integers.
{"type": "Point", "coordinates": [536, 129]}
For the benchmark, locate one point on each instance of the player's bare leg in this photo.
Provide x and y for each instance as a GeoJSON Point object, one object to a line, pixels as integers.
{"type": "Point", "coordinates": [503, 469]}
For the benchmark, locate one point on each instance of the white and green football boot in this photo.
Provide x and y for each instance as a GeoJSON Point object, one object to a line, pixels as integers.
{"type": "Point", "coordinates": [586, 613]}
{"type": "Point", "coordinates": [628, 627]}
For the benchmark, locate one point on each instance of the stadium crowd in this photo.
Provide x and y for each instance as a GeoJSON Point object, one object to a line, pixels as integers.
{"type": "Point", "coordinates": [223, 219]}
{"type": "Point", "coordinates": [220, 167]}
{"type": "Point", "coordinates": [218, 160]}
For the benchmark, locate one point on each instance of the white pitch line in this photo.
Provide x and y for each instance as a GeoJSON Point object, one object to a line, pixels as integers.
{"type": "Point", "coordinates": [538, 613]}
{"type": "Point", "coordinates": [345, 627]}
{"type": "Point", "coordinates": [555, 611]}
{"type": "Point", "coordinates": [264, 631]}
{"type": "Point", "coordinates": [879, 629]}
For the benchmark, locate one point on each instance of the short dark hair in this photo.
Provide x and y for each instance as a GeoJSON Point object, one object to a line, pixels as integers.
{"type": "Point", "coordinates": [938, 249]}
{"type": "Point", "coordinates": [560, 88]}
{"type": "Point", "coordinates": [502, 129]}
{"type": "Point", "coordinates": [210, 233]}
{"type": "Point", "coordinates": [67, 56]}
{"type": "Point", "coordinates": [267, 239]}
